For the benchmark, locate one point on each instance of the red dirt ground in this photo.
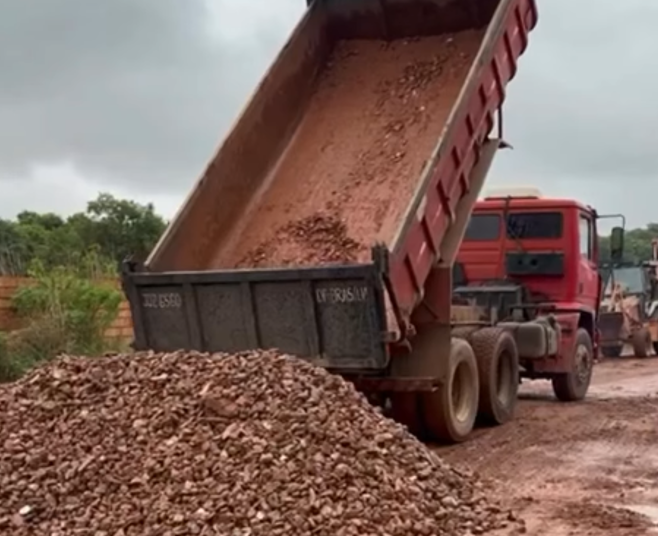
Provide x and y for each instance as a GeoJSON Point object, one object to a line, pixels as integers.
{"type": "Point", "coordinates": [582, 469]}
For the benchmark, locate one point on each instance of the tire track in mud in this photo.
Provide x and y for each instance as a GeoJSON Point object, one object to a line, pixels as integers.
{"type": "Point", "coordinates": [581, 469]}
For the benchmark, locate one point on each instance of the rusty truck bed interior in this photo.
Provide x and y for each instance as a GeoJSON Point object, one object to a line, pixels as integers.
{"type": "Point", "coordinates": [327, 156]}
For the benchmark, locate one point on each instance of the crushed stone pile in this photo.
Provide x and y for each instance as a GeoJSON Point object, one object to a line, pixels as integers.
{"type": "Point", "coordinates": [237, 445]}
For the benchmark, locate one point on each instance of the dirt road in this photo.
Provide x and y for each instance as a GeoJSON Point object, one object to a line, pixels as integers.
{"type": "Point", "coordinates": [585, 469]}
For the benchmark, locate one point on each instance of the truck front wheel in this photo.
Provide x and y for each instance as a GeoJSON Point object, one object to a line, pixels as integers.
{"type": "Point", "coordinates": [498, 366]}
{"type": "Point", "coordinates": [573, 386]}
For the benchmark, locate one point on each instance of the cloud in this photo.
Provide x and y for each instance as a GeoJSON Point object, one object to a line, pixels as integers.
{"type": "Point", "coordinates": [133, 96]}
{"type": "Point", "coordinates": [580, 113]}
{"type": "Point", "coordinates": [61, 189]}
{"type": "Point", "coordinates": [134, 93]}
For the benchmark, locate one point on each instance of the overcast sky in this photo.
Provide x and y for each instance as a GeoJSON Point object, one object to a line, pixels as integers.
{"type": "Point", "coordinates": [133, 97]}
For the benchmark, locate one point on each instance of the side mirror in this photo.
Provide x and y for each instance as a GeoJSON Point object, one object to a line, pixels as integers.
{"type": "Point", "coordinates": [617, 244]}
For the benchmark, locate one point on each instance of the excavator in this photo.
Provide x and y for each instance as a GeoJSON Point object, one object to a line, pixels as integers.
{"type": "Point", "coordinates": [629, 308]}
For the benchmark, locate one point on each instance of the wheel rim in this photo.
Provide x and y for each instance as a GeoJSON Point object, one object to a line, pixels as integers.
{"type": "Point", "coordinates": [504, 378]}
{"type": "Point", "coordinates": [583, 364]}
{"type": "Point", "coordinates": [461, 393]}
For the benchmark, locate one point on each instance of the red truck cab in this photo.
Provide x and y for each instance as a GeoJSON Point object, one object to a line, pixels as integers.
{"type": "Point", "coordinates": [545, 251]}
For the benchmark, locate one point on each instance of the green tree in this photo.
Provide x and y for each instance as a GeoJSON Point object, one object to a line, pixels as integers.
{"type": "Point", "coordinates": [13, 250]}
{"type": "Point", "coordinates": [637, 244]}
{"type": "Point", "coordinates": [121, 227]}
{"type": "Point", "coordinates": [111, 228]}
{"type": "Point", "coordinates": [62, 310]}
{"type": "Point", "coordinates": [48, 221]}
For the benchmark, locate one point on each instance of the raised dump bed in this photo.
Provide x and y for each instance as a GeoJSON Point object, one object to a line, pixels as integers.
{"type": "Point", "coordinates": [366, 130]}
{"type": "Point", "coordinates": [348, 178]}
{"type": "Point", "coordinates": [327, 157]}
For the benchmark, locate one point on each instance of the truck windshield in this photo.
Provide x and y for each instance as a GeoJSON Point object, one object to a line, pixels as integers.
{"type": "Point", "coordinates": [483, 227]}
{"type": "Point", "coordinates": [520, 225]}
{"type": "Point", "coordinates": [533, 225]}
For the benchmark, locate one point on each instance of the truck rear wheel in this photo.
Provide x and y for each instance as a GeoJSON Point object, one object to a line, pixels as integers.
{"type": "Point", "coordinates": [449, 414]}
{"type": "Point", "coordinates": [641, 341]}
{"type": "Point", "coordinates": [498, 367]}
{"type": "Point", "coordinates": [573, 386]}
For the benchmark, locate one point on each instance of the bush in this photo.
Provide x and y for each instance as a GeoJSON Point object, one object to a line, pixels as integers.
{"type": "Point", "coordinates": [65, 310]}
{"type": "Point", "coordinates": [6, 364]}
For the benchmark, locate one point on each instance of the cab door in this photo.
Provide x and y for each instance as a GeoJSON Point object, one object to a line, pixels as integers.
{"type": "Point", "coordinates": [589, 279]}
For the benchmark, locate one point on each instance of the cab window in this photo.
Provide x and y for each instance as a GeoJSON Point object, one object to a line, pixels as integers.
{"type": "Point", "coordinates": [585, 231]}
{"type": "Point", "coordinates": [483, 227]}
{"type": "Point", "coordinates": [534, 225]}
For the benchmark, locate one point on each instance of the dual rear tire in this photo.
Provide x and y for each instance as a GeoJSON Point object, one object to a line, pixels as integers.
{"type": "Point", "coordinates": [482, 381]}
{"type": "Point", "coordinates": [446, 415]}
{"type": "Point", "coordinates": [498, 368]}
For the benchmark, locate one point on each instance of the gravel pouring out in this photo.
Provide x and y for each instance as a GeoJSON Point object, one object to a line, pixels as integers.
{"type": "Point", "coordinates": [248, 444]}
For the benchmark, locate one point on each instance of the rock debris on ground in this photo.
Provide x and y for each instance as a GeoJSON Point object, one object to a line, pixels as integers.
{"type": "Point", "coordinates": [196, 444]}
{"type": "Point", "coordinates": [603, 517]}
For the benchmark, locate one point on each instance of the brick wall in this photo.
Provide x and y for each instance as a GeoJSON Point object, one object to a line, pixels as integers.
{"type": "Point", "coordinates": [122, 327]}
{"type": "Point", "coordinates": [8, 286]}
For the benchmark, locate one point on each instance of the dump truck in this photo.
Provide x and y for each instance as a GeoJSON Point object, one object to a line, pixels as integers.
{"type": "Point", "coordinates": [531, 263]}
{"type": "Point", "coordinates": [328, 222]}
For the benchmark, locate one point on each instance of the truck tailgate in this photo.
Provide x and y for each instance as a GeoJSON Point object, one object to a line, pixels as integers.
{"type": "Point", "coordinates": [333, 317]}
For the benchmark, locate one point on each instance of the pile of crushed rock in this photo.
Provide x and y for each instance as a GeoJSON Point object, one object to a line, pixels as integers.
{"type": "Point", "coordinates": [239, 445]}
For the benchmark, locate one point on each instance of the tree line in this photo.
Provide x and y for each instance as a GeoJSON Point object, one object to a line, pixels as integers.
{"type": "Point", "coordinates": [637, 244]}
{"type": "Point", "coordinates": [111, 228]}
{"type": "Point", "coordinates": [116, 228]}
